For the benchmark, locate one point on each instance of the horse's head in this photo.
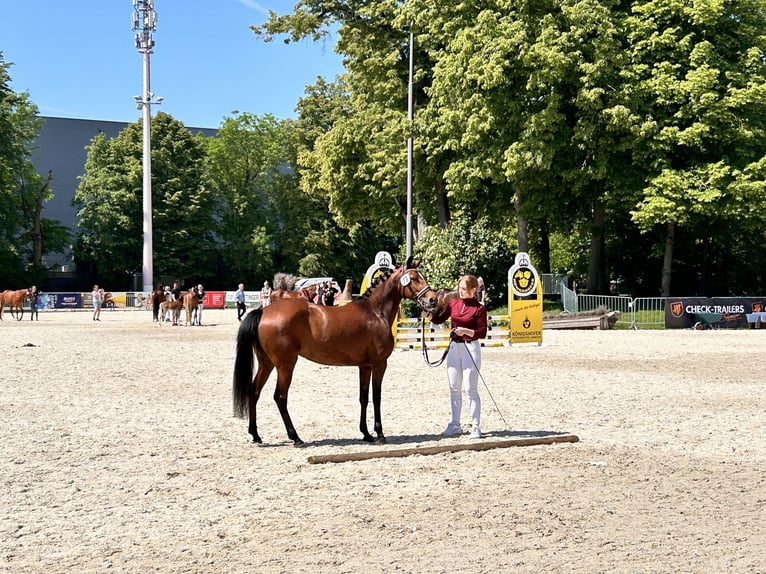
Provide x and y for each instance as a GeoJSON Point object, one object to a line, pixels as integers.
{"type": "Point", "coordinates": [415, 286]}
{"type": "Point", "coordinates": [443, 297]}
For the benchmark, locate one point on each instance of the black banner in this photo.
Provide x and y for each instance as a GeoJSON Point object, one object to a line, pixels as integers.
{"type": "Point", "coordinates": [714, 312]}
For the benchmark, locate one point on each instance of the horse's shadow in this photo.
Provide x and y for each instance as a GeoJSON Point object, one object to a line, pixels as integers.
{"type": "Point", "coordinates": [411, 440]}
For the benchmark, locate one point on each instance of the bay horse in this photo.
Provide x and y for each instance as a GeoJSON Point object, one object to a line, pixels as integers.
{"type": "Point", "coordinates": [190, 302]}
{"type": "Point", "coordinates": [357, 334]}
{"type": "Point", "coordinates": [15, 300]}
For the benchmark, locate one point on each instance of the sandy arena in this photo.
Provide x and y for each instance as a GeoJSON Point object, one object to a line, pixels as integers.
{"type": "Point", "coordinates": [119, 453]}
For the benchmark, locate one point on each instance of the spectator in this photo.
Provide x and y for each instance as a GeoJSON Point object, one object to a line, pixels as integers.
{"type": "Point", "coordinates": [200, 303]}
{"type": "Point", "coordinates": [328, 295]}
{"type": "Point", "coordinates": [97, 295]}
{"type": "Point", "coordinates": [239, 297]}
{"type": "Point", "coordinates": [157, 296]}
{"type": "Point", "coordinates": [266, 294]}
{"type": "Point", "coordinates": [34, 303]}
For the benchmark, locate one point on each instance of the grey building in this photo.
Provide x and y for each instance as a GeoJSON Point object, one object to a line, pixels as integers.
{"type": "Point", "coordinates": [61, 150]}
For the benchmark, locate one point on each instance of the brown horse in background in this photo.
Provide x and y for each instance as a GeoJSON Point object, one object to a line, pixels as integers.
{"type": "Point", "coordinates": [175, 310]}
{"type": "Point", "coordinates": [15, 300]}
{"type": "Point", "coordinates": [309, 293]}
{"type": "Point", "coordinates": [357, 334]}
{"type": "Point", "coordinates": [190, 301]}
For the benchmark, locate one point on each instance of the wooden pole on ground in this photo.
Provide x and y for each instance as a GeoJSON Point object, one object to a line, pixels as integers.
{"type": "Point", "coordinates": [482, 445]}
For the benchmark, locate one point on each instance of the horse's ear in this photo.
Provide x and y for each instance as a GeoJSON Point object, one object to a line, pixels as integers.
{"type": "Point", "coordinates": [411, 263]}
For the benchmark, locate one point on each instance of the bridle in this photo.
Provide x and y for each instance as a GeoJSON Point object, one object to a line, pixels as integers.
{"type": "Point", "coordinates": [416, 295]}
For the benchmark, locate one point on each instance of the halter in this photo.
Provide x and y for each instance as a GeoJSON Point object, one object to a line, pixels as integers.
{"type": "Point", "coordinates": [407, 283]}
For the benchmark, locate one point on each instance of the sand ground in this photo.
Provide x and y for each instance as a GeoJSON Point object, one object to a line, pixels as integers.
{"type": "Point", "coordinates": [119, 453]}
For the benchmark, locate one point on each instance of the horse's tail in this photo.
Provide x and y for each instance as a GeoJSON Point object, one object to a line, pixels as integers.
{"type": "Point", "coordinates": [247, 341]}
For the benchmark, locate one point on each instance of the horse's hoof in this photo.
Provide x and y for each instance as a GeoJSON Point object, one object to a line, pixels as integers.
{"type": "Point", "coordinates": [368, 438]}
{"type": "Point", "coordinates": [380, 440]}
{"type": "Point", "coordinates": [299, 443]}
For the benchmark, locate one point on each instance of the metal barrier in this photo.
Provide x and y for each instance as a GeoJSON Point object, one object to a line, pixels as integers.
{"type": "Point", "coordinates": [621, 303]}
{"type": "Point", "coordinates": [568, 300]}
{"type": "Point", "coordinates": [648, 313]}
{"type": "Point", "coordinates": [553, 283]}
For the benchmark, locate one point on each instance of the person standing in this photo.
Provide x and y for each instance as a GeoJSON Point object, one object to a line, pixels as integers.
{"type": "Point", "coordinates": [239, 297]}
{"type": "Point", "coordinates": [157, 296]}
{"type": "Point", "coordinates": [176, 291]}
{"type": "Point", "coordinates": [34, 303]}
{"type": "Point", "coordinates": [200, 303]}
{"type": "Point", "coordinates": [97, 300]}
{"type": "Point", "coordinates": [469, 324]}
{"type": "Point", "coordinates": [481, 294]}
{"type": "Point", "coordinates": [328, 295]}
{"type": "Point", "coordinates": [320, 293]}
{"type": "Point", "coordinates": [266, 294]}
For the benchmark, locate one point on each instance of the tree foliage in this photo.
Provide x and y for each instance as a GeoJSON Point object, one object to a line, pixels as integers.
{"type": "Point", "coordinates": [620, 126]}
{"type": "Point", "coordinates": [110, 204]}
{"type": "Point", "coordinates": [24, 234]}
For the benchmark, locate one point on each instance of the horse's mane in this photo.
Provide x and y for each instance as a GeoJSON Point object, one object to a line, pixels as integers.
{"type": "Point", "coordinates": [382, 279]}
{"type": "Point", "coordinates": [284, 281]}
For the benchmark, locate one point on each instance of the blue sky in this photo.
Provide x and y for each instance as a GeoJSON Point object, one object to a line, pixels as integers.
{"type": "Point", "coordinates": [77, 59]}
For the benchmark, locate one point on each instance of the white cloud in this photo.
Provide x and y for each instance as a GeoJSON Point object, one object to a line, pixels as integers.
{"type": "Point", "coordinates": [254, 6]}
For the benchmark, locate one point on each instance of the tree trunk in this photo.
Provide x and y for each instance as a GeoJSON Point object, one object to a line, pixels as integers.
{"type": "Point", "coordinates": [667, 260]}
{"type": "Point", "coordinates": [596, 271]}
{"type": "Point", "coordinates": [442, 204]}
{"type": "Point", "coordinates": [37, 230]}
{"type": "Point", "coordinates": [521, 222]}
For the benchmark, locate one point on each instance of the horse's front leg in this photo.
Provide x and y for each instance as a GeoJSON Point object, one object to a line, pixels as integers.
{"type": "Point", "coordinates": [365, 373]}
{"type": "Point", "coordinates": [377, 393]}
{"type": "Point", "coordinates": [284, 378]}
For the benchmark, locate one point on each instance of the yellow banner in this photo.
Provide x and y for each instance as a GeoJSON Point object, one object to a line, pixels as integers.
{"type": "Point", "coordinates": [525, 302]}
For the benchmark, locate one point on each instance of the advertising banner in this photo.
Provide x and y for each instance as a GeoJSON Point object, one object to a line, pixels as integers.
{"type": "Point", "coordinates": [252, 299]}
{"type": "Point", "coordinates": [525, 302]}
{"type": "Point", "coordinates": [62, 300]}
{"type": "Point", "coordinates": [712, 312]}
{"type": "Point", "coordinates": [214, 299]}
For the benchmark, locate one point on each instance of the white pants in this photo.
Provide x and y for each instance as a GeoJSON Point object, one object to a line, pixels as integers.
{"type": "Point", "coordinates": [463, 364]}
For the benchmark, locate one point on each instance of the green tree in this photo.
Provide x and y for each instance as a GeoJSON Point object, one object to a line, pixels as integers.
{"type": "Point", "coordinates": [249, 170]}
{"type": "Point", "coordinates": [466, 246]}
{"type": "Point", "coordinates": [25, 235]}
{"type": "Point", "coordinates": [697, 72]}
{"type": "Point", "coordinates": [110, 204]}
{"type": "Point", "coordinates": [595, 119]}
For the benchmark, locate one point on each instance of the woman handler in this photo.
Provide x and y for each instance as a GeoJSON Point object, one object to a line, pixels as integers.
{"type": "Point", "coordinates": [469, 324]}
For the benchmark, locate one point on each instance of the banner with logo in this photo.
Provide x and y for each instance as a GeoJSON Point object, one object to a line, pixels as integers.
{"type": "Point", "coordinates": [716, 312]}
{"type": "Point", "coordinates": [214, 299]}
{"type": "Point", "coordinates": [383, 263]}
{"type": "Point", "coordinates": [63, 300]}
{"type": "Point", "coordinates": [525, 302]}
{"type": "Point", "coordinates": [252, 299]}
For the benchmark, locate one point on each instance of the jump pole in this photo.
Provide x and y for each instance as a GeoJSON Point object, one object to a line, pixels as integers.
{"type": "Point", "coordinates": [475, 446]}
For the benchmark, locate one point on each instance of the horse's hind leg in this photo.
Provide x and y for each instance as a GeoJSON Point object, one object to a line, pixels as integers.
{"type": "Point", "coordinates": [284, 378]}
{"type": "Point", "coordinates": [261, 376]}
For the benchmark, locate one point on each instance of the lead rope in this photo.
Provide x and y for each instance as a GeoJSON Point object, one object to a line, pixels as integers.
{"type": "Point", "coordinates": [423, 346]}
